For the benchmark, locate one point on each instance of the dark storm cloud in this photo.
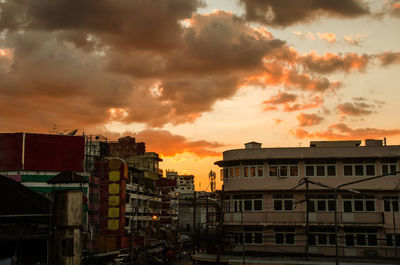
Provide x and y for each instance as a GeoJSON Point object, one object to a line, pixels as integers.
{"type": "Point", "coordinates": [125, 24]}
{"type": "Point", "coordinates": [288, 12]}
{"type": "Point", "coordinates": [85, 63]}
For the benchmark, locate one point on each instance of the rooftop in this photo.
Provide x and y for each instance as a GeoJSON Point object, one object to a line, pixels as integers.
{"type": "Point", "coordinates": [317, 150]}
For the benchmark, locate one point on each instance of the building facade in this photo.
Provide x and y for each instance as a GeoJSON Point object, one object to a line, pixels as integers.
{"type": "Point", "coordinates": [265, 207]}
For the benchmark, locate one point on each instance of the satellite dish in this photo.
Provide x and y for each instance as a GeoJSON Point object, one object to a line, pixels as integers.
{"type": "Point", "coordinates": [73, 132]}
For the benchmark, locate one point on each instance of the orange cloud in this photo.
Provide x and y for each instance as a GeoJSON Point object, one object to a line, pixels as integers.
{"type": "Point", "coordinates": [355, 39]}
{"type": "Point", "coordinates": [168, 144]}
{"type": "Point", "coordinates": [308, 119]}
{"type": "Point", "coordinates": [276, 74]}
{"type": "Point", "coordinates": [329, 62]}
{"type": "Point", "coordinates": [341, 131]}
{"type": "Point", "coordinates": [289, 102]}
{"type": "Point", "coordinates": [306, 35]}
{"type": "Point", "coordinates": [327, 36]}
{"type": "Point", "coordinates": [315, 102]}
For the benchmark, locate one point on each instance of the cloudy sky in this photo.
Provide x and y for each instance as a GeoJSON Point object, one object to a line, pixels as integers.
{"type": "Point", "coordinates": [193, 78]}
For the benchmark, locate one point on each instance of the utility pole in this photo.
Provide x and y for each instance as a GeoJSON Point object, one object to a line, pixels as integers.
{"type": "Point", "coordinates": [307, 219]}
{"type": "Point", "coordinates": [194, 221]}
{"type": "Point", "coordinates": [132, 220]}
{"type": "Point", "coordinates": [243, 251]}
{"type": "Point", "coordinates": [221, 218]}
{"type": "Point", "coordinates": [207, 212]}
{"type": "Point", "coordinates": [394, 235]}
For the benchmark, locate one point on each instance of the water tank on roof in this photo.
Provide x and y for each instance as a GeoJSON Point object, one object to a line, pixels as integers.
{"type": "Point", "coordinates": [252, 145]}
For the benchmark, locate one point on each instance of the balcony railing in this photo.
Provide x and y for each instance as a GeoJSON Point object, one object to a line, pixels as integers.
{"type": "Point", "coordinates": [296, 217]}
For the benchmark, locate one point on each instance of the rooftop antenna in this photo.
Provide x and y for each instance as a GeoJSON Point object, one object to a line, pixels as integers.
{"type": "Point", "coordinates": [53, 129]}
{"type": "Point", "coordinates": [212, 176]}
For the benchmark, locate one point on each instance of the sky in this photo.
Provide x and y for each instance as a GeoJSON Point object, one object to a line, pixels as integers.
{"type": "Point", "coordinates": [194, 78]}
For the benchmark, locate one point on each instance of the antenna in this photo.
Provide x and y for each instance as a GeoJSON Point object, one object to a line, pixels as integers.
{"type": "Point", "coordinates": [212, 176]}
{"type": "Point", "coordinates": [53, 129]}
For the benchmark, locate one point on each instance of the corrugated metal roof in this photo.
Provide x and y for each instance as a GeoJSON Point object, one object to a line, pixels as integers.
{"type": "Point", "coordinates": [17, 199]}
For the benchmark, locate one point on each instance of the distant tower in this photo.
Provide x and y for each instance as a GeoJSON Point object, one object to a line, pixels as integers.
{"type": "Point", "coordinates": [212, 176]}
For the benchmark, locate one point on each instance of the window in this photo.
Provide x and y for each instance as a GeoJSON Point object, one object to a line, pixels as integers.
{"type": "Point", "coordinates": [321, 203]}
{"type": "Point", "coordinates": [320, 168]}
{"type": "Point", "coordinates": [348, 170]}
{"type": "Point", "coordinates": [253, 171]}
{"type": "Point", "coordinates": [361, 236]}
{"type": "Point", "coordinates": [258, 239]}
{"type": "Point", "coordinates": [294, 171]}
{"type": "Point", "coordinates": [226, 173]}
{"type": "Point", "coordinates": [389, 166]}
{"type": "Point", "coordinates": [248, 205]}
{"type": "Point", "coordinates": [283, 170]}
{"type": "Point", "coordinates": [227, 206]}
{"type": "Point", "coordinates": [309, 170]}
{"type": "Point", "coordinates": [370, 169]}
{"type": "Point", "coordinates": [273, 171]}
{"type": "Point", "coordinates": [391, 203]}
{"type": "Point", "coordinates": [250, 202]}
{"type": "Point", "coordinates": [237, 172]}
{"type": "Point", "coordinates": [359, 168]}
{"type": "Point", "coordinates": [250, 236]}
{"type": "Point", "coordinates": [260, 171]}
{"type": "Point", "coordinates": [245, 172]}
{"type": "Point", "coordinates": [231, 172]}
{"type": "Point", "coordinates": [258, 205]}
{"type": "Point", "coordinates": [238, 237]}
{"type": "Point", "coordinates": [253, 202]}
{"type": "Point", "coordinates": [284, 236]}
{"type": "Point", "coordinates": [320, 235]}
{"type": "Point", "coordinates": [237, 202]}
{"type": "Point", "coordinates": [331, 170]}
{"type": "Point", "coordinates": [390, 240]}
{"type": "Point", "coordinates": [358, 203]}
{"type": "Point", "coordinates": [283, 202]}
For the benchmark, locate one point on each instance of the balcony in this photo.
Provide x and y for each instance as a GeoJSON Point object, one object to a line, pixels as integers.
{"type": "Point", "coordinates": [295, 217]}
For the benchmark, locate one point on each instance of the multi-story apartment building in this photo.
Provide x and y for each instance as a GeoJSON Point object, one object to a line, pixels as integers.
{"type": "Point", "coordinates": [184, 183]}
{"type": "Point", "coordinates": [265, 208]}
{"type": "Point", "coordinates": [169, 203]}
